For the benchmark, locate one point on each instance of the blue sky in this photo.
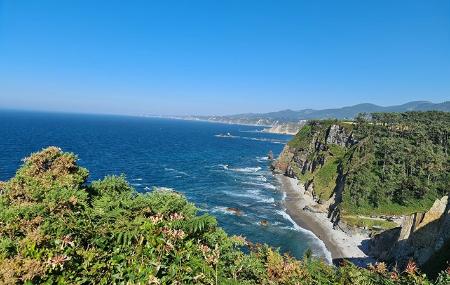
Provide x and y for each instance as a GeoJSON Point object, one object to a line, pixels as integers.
{"type": "Point", "coordinates": [221, 57]}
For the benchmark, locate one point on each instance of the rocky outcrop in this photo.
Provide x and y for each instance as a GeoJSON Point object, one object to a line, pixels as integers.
{"type": "Point", "coordinates": [234, 211]}
{"type": "Point", "coordinates": [270, 155]}
{"type": "Point", "coordinates": [313, 156]}
{"type": "Point", "coordinates": [283, 164]}
{"type": "Point", "coordinates": [419, 237]}
{"type": "Point", "coordinates": [284, 128]}
{"type": "Point", "coordinates": [338, 135]}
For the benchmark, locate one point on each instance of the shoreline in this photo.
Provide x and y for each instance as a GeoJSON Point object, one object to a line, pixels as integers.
{"type": "Point", "coordinates": [338, 243]}
{"type": "Point", "coordinates": [268, 129]}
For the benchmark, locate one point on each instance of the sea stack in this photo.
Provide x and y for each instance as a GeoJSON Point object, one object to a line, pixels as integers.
{"type": "Point", "coordinates": [270, 155]}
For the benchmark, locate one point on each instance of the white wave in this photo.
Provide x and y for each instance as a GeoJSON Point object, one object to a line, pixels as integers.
{"type": "Point", "coordinates": [252, 194]}
{"type": "Point", "coordinates": [264, 185]}
{"type": "Point", "coordinates": [136, 184]}
{"type": "Point", "coordinates": [264, 140]}
{"type": "Point", "coordinates": [259, 178]}
{"type": "Point", "coordinates": [319, 242]}
{"type": "Point", "coordinates": [224, 210]}
{"type": "Point", "coordinates": [262, 158]}
{"type": "Point", "coordinates": [165, 188]}
{"type": "Point", "coordinates": [227, 135]}
{"type": "Point", "coordinates": [176, 171]}
{"type": "Point", "coordinates": [224, 166]}
{"type": "Point", "coordinates": [246, 169]}
{"type": "Point", "coordinates": [274, 224]}
{"type": "Point", "coordinates": [137, 179]}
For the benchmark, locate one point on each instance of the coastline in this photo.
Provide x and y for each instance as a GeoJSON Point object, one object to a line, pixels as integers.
{"type": "Point", "coordinates": [340, 244]}
{"type": "Point", "coordinates": [267, 128]}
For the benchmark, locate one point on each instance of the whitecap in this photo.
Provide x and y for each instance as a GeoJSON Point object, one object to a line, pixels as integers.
{"type": "Point", "coordinates": [165, 188]}
{"type": "Point", "coordinates": [264, 140]}
{"type": "Point", "coordinates": [264, 185]}
{"type": "Point", "coordinates": [259, 178]}
{"type": "Point", "coordinates": [224, 166]}
{"type": "Point", "coordinates": [227, 135]}
{"type": "Point", "coordinates": [246, 169]}
{"type": "Point", "coordinates": [252, 194]}
{"type": "Point", "coordinates": [318, 242]}
{"type": "Point", "coordinates": [225, 210]}
{"type": "Point", "coordinates": [176, 171]}
{"type": "Point", "coordinates": [262, 158]}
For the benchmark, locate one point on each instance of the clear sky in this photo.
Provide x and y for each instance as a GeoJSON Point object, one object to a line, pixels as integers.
{"type": "Point", "coordinates": [221, 57]}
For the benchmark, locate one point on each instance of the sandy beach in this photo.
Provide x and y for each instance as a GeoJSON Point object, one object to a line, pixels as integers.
{"type": "Point", "coordinates": [340, 244]}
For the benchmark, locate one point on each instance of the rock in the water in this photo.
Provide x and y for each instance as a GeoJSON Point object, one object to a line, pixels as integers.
{"type": "Point", "coordinates": [235, 211]}
{"type": "Point", "coordinates": [264, 223]}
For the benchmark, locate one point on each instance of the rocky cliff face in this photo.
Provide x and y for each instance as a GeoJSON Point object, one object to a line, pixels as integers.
{"type": "Point", "coordinates": [282, 165]}
{"type": "Point", "coordinates": [338, 135]}
{"type": "Point", "coordinates": [314, 158]}
{"type": "Point", "coordinates": [298, 160]}
{"type": "Point", "coordinates": [284, 128]}
{"type": "Point", "coordinates": [420, 236]}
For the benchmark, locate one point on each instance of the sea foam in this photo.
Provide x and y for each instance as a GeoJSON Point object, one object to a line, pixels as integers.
{"type": "Point", "coordinates": [263, 185]}
{"type": "Point", "coordinates": [318, 242]}
{"type": "Point", "coordinates": [253, 195]}
{"type": "Point", "coordinates": [176, 171]}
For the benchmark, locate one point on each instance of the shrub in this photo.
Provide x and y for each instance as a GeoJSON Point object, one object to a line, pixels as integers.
{"type": "Point", "coordinates": [57, 229]}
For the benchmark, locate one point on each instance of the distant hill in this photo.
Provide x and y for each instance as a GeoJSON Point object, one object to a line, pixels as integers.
{"type": "Point", "coordinates": [289, 121]}
{"type": "Point", "coordinates": [341, 113]}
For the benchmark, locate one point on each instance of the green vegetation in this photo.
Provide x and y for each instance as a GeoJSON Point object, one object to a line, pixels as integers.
{"type": "Point", "coordinates": [312, 139]}
{"type": "Point", "coordinates": [401, 164]}
{"type": "Point", "coordinates": [369, 223]}
{"type": "Point", "coordinates": [398, 163]}
{"type": "Point", "coordinates": [325, 177]}
{"type": "Point", "coordinates": [303, 137]}
{"type": "Point", "coordinates": [55, 228]}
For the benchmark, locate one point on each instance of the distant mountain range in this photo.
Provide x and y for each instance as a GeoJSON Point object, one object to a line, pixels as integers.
{"type": "Point", "coordinates": [288, 121]}
{"type": "Point", "coordinates": [341, 113]}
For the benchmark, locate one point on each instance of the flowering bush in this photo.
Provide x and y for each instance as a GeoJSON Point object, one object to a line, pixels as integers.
{"type": "Point", "coordinates": [57, 228]}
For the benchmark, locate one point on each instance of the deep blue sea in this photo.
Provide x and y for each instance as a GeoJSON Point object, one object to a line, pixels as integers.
{"type": "Point", "coordinates": [215, 165]}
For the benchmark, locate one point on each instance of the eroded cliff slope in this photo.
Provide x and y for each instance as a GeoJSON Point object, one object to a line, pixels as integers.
{"type": "Point", "coordinates": [377, 173]}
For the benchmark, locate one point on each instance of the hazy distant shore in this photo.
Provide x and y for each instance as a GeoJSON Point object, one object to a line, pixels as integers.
{"type": "Point", "coordinates": [281, 128]}
{"type": "Point", "coordinates": [340, 244]}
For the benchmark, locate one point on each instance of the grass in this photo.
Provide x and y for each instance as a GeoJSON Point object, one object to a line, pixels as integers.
{"type": "Point", "coordinates": [325, 176]}
{"type": "Point", "coordinates": [369, 223]}
{"type": "Point", "coordinates": [392, 209]}
{"type": "Point", "coordinates": [302, 138]}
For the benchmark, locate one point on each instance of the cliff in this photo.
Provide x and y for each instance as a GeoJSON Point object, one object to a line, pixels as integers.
{"type": "Point", "coordinates": [314, 157]}
{"type": "Point", "coordinates": [284, 128]}
{"type": "Point", "coordinates": [420, 236]}
{"type": "Point", "coordinates": [386, 176]}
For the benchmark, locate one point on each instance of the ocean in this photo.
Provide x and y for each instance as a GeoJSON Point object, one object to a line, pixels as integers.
{"type": "Point", "coordinates": [216, 166]}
